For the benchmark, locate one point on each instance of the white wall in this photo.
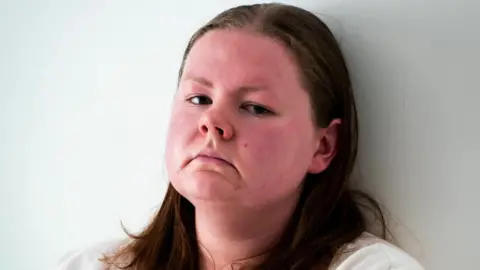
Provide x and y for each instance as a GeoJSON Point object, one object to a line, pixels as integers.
{"type": "Point", "coordinates": [85, 94]}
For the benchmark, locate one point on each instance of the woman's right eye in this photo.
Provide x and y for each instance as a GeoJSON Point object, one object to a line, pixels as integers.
{"type": "Point", "coordinates": [199, 100]}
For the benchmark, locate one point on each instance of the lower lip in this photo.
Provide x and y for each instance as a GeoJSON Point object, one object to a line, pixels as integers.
{"type": "Point", "coordinates": [212, 160]}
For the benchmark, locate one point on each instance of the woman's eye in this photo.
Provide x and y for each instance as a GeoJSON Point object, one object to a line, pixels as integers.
{"type": "Point", "coordinates": [199, 100]}
{"type": "Point", "coordinates": [257, 110]}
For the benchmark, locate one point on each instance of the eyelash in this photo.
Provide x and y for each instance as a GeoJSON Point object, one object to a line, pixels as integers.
{"type": "Point", "coordinates": [264, 111]}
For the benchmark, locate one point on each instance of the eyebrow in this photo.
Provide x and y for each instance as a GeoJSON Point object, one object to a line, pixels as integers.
{"type": "Point", "coordinates": [204, 82]}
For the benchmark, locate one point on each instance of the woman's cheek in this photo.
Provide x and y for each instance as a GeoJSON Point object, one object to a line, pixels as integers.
{"type": "Point", "coordinates": [183, 118]}
{"type": "Point", "coordinates": [181, 127]}
{"type": "Point", "coordinates": [266, 144]}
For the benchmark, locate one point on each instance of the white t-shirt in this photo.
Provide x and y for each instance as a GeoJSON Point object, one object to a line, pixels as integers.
{"type": "Point", "coordinates": [366, 253]}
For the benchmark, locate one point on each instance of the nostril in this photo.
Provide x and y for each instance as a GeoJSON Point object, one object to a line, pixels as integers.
{"type": "Point", "coordinates": [204, 128]}
{"type": "Point", "coordinates": [220, 131]}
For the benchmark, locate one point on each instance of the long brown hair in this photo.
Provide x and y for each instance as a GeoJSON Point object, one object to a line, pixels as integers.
{"type": "Point", "coordinates": [328, 214]}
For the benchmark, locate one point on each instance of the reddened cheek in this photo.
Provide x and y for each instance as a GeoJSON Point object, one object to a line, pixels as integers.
{"type": "Point", "coordinates": [268, 146]}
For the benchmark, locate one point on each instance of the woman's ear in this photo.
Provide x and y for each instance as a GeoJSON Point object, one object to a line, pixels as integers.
{"type": "Point", "coordinates": [326, 147]}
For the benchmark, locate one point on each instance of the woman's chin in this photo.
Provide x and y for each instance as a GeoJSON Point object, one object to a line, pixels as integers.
{"type": "Point", "coordinates": [205, 186]}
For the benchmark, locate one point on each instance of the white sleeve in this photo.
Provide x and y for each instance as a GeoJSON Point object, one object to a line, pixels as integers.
{"type": "Point", "coordinates": [86, 258]}
{"type": "Point", "coordinates": [379, 256]}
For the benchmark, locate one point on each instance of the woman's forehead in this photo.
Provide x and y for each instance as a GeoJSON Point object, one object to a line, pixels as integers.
{"type": "Point", "coordinates": [240, 56]}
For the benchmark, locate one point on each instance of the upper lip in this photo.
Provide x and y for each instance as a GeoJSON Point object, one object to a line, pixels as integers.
{"type": "Point", "coordinates": [212, 154]}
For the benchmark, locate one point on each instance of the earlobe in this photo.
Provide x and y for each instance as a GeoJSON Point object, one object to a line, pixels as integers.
{"type": "Point", "coordinates": [326, 147]}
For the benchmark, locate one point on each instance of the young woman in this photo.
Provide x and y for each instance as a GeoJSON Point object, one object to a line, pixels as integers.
{"type": "Point", "coordinates": [261, 144]}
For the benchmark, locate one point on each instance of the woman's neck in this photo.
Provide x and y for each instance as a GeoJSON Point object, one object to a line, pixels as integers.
{"type": "Point", "coordinates": [228, 234]}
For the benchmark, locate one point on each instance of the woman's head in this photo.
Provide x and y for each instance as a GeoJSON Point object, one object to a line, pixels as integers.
{"type": "Point", "coordinates": [265, 88]}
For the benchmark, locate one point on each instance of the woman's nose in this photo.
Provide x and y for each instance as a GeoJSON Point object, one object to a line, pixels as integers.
{"type": "Point", "coordinates": [217, 124]}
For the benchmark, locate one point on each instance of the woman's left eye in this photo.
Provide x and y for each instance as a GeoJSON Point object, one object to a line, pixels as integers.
{"type": "Point", "coordinates": [257, 110]}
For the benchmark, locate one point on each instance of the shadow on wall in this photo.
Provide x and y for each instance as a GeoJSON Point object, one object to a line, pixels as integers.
{"type": "Point", "coordinates": [413, 75]}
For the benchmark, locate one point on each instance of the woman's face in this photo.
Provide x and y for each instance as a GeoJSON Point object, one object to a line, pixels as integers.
{"type": "Point", "coordinates": [241, 130]}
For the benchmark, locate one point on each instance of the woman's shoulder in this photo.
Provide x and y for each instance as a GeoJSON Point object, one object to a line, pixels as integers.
{"type": "Point", "coordinates": [88, 257]}
{"type": "Point", "coordinates": [372, 253]}
{"type": "Point", "coordinates": [368, 252]}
